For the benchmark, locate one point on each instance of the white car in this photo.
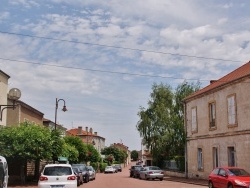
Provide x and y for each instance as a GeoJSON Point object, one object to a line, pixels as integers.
{"type": "Point", "coordinates": [57, 176]}
{"type": "Point", "coordinates": [109, 169]}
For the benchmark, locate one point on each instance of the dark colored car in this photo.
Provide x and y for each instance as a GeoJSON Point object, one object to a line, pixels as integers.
{"type": "Point", "coordinates": [132, 170]}
{"type": "Point", "coordinates": [84, 170]}
{"type": "Point", "coordinates": [137, 172]}
{"type": "Point", "coordinates": [79, 175]}
{"type": "Point", "coordinates": [229, 177]}
{"type": "Point", "coordinates": [118, 167]}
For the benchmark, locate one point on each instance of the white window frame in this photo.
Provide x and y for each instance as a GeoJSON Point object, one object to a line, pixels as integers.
{"type": "Point", "coordinates": [231, 110]}
{"type": "Point", "coordinates": [212, 114]}
{"type": "Point", "coordinates": [194, 119]}
{"type": "Point", "coordinates": [200, 158]}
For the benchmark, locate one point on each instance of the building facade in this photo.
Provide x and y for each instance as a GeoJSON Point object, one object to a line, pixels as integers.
{"type": "Point", "coordinates": [23, 113]}
{"type": "Point", "coordinates": [217, 124]}
{"type": "Point", "coordinates": [3, 95]}
{"type": "Point", "coordinates": [88, 137]}
{"type": "Point", "coordinates": [124, 148]}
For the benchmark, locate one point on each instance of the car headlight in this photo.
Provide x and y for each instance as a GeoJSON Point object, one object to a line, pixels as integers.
{"type": "Point", "coordinates": [237, 182]}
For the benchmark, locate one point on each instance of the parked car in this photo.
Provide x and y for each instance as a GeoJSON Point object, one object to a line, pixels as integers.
{"type": "Point", "coordinates": [109, 169]}
{"type": "Point", "coordinates": [151, 173]}
{"type": "Point", "coordinates": [79, 175]}
{"type": "Point", "coordinates": [3, 172]}
{"type": "Point", "coordinates": [132, 170]}
{"type": "Point", "coordinates": [92, 173]}
{"type": "Point", "coordinates": [118, 167]}
{"type": "Point", "coordinates": [137, 172]}
{"type": "Point", "coordinates": [84, 170]}
{"type": "Point", "coordinates": [57, 175]}
{"type": "Point", "coordinates": [229, 177]}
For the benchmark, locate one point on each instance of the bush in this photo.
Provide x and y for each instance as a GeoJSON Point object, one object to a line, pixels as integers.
{"type": "Point", "coordinates": [180, 161]}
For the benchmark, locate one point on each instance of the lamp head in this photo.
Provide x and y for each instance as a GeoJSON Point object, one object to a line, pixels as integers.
{"type": "Point", "coordinates": [14, 94]}
{"type": "Point", "coordinates": [64, 108]}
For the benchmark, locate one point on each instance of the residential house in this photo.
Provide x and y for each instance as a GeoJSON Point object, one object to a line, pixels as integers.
{"type": "Point", "coordinates": [146, 156]}
{"type": "Point", "coordinates": [122, 147]}
{"type": "Point", "coordinates": [88, 137]}
{"type": "Point", "coordinates": [23, 113]}
{"type": "Point", "coordinates": [3, 96]}
{"type": "Point", "coordinates": [217, 124]}
{"type": "Point", "coordinates": [51, 125]}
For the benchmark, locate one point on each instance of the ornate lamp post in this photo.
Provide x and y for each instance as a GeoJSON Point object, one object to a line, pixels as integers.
{"type": "Point", "coordinates": [14, 94]}
{"type": "Point", "coordinates": [63, 109]}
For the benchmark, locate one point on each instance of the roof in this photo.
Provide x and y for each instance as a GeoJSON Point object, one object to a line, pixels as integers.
{"type": "Point", "coordinates": [237, 74]}
{"type": "Point", "coordinates": [29, 107]}
{"type": "Point", "coordinates": [75, 132]}
{"type": "Point", "coordinates": [5, 74]}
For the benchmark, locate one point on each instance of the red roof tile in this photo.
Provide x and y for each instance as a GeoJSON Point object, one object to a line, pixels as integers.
{"type": "Point", "coordinates": [238, 73]}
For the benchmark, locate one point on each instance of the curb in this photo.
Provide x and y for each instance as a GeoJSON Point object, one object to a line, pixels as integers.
{"type": "Point", "coordinates": [186, 180]}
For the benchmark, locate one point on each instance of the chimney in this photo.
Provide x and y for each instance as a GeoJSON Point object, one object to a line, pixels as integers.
{"type": "Point", "coordinates": [95, 133]}
{"type": "Point", "coordinates": [87, 129]}
{"type": "Point", "coordinates": [80, 130]}
{"type": "Point", "coordinates": [91, 130]}
{"type": "Point", "coordinates": [212, 81]}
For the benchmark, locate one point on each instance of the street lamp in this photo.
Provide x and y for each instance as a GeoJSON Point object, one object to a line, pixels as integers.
{"type": "Point", "coordinates": [63, 109]}
{"type": "Point", "coordinates": [14, 94]}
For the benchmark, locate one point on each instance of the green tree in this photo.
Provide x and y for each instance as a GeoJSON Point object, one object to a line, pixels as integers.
{"type": "Point", "coordinates": [82, 149]}
{"type": "Point", "coordinates": [92, 154]}
{"type": "Point", "coordinates": [161, 125]}
{"type": "Point", "coordinates": [26, 142]}
{"type": "Point", "coordinates": [117, 154]}
{"type": "Point", "coordinates": [134, 155]}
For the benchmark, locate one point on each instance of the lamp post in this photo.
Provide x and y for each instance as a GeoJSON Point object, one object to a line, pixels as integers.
{"type": "Point", "coordinates": [14, 94]}
{"type": "Point", "coordinates": [63, 109]}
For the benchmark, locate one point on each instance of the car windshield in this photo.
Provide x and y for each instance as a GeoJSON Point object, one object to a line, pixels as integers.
{"type": "Point", "coordinates": [154, 168]}
{"type": "Point", "coordinates": [238, 172]}
{"type": "Point", "coordinates": [57, 171]}
{"type": "Point", "coordinates": [82, 167]}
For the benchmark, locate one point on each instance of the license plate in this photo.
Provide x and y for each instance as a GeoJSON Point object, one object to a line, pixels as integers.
{"type": "Point", "coordinates": [57, 186]}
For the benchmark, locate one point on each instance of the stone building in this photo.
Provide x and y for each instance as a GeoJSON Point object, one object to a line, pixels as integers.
{"type": "Point", "coordinates": [217, 124]}
{"type": "Point", "coordinates": [88, 137]}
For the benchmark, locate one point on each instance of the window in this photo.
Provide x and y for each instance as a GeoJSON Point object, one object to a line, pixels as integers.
{"type": "Point", "coordinates": [231, 156]}
{"type": "Point", "coordinates": [194, 119]}
{"type": "Point", "coordinates": [215, 157]}
{"type": "Point", "coordinates": [231, 108]}
{"type": "Point", "coordinates": [211, 114]}
{"type": "Point", "coordinates": [200, 159]}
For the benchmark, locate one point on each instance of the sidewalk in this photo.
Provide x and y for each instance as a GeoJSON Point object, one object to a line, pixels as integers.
{"type": "Point", "coordinates": [185, 180]}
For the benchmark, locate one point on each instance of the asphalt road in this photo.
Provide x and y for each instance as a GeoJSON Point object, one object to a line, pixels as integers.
{"type": "Point", "coordinates": [122, 180]}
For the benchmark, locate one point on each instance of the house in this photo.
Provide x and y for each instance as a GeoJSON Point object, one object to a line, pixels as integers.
{"type": "Point", "coordinates": [51, 125]}
{"type": "Point", "coordinates": [217, 124]}
{"type": "Point", "coordinates": [23, 113]}
{"type": "Point", "coordinates": [122, 147]}
{"type": "Point", "coordinates": [3, 96]}
{"type": "Point", "coordinates": [88, 137]}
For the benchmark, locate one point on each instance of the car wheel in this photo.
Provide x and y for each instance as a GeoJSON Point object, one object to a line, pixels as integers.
{"type": "Point", "coordinates": [210, 184]}
{"type": "Point", "coordinates": [230, 185]}
{"type": "Point", "coordinates": [161, 179]}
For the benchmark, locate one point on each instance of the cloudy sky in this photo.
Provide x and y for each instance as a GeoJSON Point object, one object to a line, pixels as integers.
{"type": "Point", "coordinates": [102, 57]}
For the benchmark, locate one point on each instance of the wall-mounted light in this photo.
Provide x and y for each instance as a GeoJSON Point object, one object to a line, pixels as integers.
{"type": "Point", "coordinates": [14, 94]}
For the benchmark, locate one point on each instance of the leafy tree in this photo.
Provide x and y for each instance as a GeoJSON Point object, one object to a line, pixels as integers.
{"type": "Point", "coordinates": [26, 142]}
{"type": "Point", "coordinates": [161, 125]}
{"type": "Point", "coordinates": [117, 154]}
{"type": "Point", "coordinates": [70, 152]}
{"type": "Point", "coordinates": [92, 154]}
{"type": "Point", "coordinates": [82, 149]}
{"type": "Point", "coordinates": [134, 155]}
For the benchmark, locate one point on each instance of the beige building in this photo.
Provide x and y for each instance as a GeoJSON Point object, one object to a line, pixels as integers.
{"type": "Point", "coordinates": [88, 137]}
{"type": "Point", "coordinates": [3, 96]}
{"type": "Point", "coordinates": [217, 121]}
{"type": "Point", "coordinates": [23, 113]}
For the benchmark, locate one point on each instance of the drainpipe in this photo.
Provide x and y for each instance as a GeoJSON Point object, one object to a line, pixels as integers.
{"type": "Point", "coordinates": [185, 125]}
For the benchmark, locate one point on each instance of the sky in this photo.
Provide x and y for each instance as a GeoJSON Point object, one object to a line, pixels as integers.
{"type": "Point", "coordinates": [102, 57]}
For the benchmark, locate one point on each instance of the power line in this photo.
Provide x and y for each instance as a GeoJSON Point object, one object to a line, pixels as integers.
{"type": "Point", "coordinates": [96, 70]}
{"type": "Point", "coordinates": [119, 47]}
